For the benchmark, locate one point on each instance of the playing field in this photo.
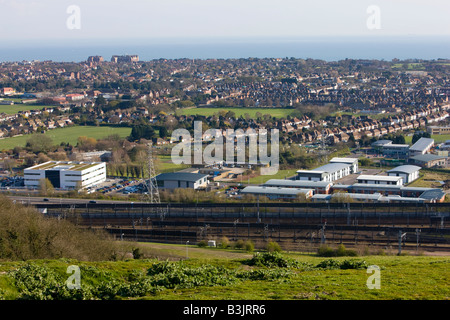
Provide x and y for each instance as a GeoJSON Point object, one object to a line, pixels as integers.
{"type": "Point", "coordinates": [273, 112]}
{"type": "Point", "coordinates": [13, 109]}
{"type": "Point", "coordinates": [69, 134]}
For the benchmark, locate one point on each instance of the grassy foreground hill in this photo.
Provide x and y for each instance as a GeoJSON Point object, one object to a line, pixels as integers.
{"type": "Point", "coordinates": [225, 274]}
{"type": "Point", "coordinates": [39, 256]}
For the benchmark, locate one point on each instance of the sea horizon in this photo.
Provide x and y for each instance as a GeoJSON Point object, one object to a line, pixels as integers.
{"type": "Point", "coordinates": [322, 48]}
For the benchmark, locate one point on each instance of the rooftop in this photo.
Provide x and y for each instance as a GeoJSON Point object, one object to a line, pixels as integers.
{"type": "Point", "coordinates": [422, 144]}
{"type": "Point", "coordinates": [64, 166]}
{"type": "Point", "coordinates": [274, 190]}
{"type": "Point", "coordinates": [405, 169]}
{"type": "Point", "coordinates": [427, 157]}
{"type": "Point", "coordinates": [379, 178]}
{"type": "Point", "coordinates": [181, 176]}
{"type": "Point", "coordinates": [296, 183]}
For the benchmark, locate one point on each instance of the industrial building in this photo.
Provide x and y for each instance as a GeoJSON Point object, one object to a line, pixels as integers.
{"type": "Point", "coordinates": [319, 187]}
{"type": "Point", "coordinates": [274, 193]}
{"type": "Point", "coordinates": [422, 146]}
{"type": "Point", "coordinates": [66, 174]}
{"type": "Point", "coordinates": [175, 180]}
{"type": "Point", "coordinates": [396, 151]}
{"type": "Point", "coordinates": [375, 179]}
{"type": "Point", "coordinates": [409, 173]}
{"type": "Point", "coordinates": [428, 160]}
{"type": "Point", "coordinates": [337, 168]}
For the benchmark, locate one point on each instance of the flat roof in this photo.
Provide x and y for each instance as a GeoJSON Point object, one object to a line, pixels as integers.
{"type": "Point", "coordinates": [274, 190]}
{"type": "Point", "coordinates": [64, 166]}
{"type": "Point", "coordinates": [344, 160]}
{"type": "Point", "coordinates": [376, 186]}
{"type": "Point", "coordinates": [427, 157]}
{"type": "Point", "coordinates": [332, 167]}
{"type": "Point", "coordinates": [380, 178]}
{"type": "Point", "coordinates": [405, 169]}
{"type": "Point", "coordinates": [392, 145]}
{"type": "Point", "coordinates": [422, 144]}
{"type": "Point", "coordinates": [181, 176]}
{"type": "Point", "coordinates": [297, 183]}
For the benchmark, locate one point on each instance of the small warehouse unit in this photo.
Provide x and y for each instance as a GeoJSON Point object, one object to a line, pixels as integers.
{"type": "Point", "coordinates": [409, 173]}
{"type": "Point", "coordinates": [274, 193]}
{"type": "Point", "coordinates": [387, 180]}
{"type": "Point", "coordinates": [175, 180]}
{"type": "Point", "coordinates": [319, 187]}
{"type": "Point", "coordinates": [422, 146]}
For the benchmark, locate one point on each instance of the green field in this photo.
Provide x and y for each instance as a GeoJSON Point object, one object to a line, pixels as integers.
{"type": "Point", "coordinates": [281, 174]}
{"type": "Point", "coordinates": [69, 134]}
{"type": "Point", "coordinates": [273, 112]}
{"type": "Point", "coordinates": [438, 138]}
{"type": "Point", "coordinates": [20, 107]}
{"type": "Point", "coordinates": [226, 274]}
{"type": "Point", "coordinates": [165, 165]}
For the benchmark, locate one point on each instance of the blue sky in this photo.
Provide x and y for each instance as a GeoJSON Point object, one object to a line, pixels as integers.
{"type": "Point", "coordinates": [167, 19]}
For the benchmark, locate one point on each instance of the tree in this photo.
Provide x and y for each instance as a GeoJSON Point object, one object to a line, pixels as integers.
{"type": "Point", "coordinates": [46, 187]}
{"type": "Point", "coordinates": [39, 143]}
{"type": "Point", "coordinates": [163, 132]}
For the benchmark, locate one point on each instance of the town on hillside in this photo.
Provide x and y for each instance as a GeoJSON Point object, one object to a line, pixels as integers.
{"type": "Point", "coordinates": [350, 130]}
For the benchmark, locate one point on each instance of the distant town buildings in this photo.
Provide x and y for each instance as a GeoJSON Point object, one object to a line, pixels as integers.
{"type": "Point", "coordinates": [125, 58]}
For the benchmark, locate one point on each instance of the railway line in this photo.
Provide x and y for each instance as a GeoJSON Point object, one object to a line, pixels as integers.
{"type": "Point", "coordinates": [293, 226]}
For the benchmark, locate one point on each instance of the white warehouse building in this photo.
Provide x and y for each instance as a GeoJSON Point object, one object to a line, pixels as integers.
{"type": "Point", "coordinates": [66, 174]}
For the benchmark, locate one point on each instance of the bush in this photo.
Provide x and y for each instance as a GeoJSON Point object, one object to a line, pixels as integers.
{"type": "Point", "coordinates": [341, 251]}
{"type": "Point", "coordinates": [249, 246]}
{"type": "Point", "coordinates": [239, 244]}
{"type": "Point", "coordinates": [137, 254]}
{"type": "Point", "coordinates": [273, 247]}
{"type": "Point", "coordinates": [346, 264]}
{"type": "Point", "coordinates": [224, 243]}
{"type": "Point", "coordinates": [26, 234]}
{"type": "Point", "coordinates": [202, 243]}
{"type": "Point", "coordinates": [276, 260]}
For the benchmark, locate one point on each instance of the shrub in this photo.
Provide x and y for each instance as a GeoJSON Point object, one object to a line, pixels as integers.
{"type": "Point", "coordinates": [202, 243]}
{"type": "Point", "coordinates": [137, 254]}
{"type": "Point", "coordinates": [26, 234]}
{"type": "Point", "coordinates": [249, 246]}
{"type": "Point", "coordinates": [273, 247]}
{"type": "Point", "coordinates": [224, 243]}
{"type": "Point", "coordinates": [239, 244]}
{"type": "Point", "coordinates": [341, 251]}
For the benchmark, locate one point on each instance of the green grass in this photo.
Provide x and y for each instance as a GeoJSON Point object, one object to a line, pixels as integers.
{"type": "Point", "coordinates": [281, 174]}
{"type": "Point", "coordinates": [438, 138]}
{"type": "Point", "coordinates": [401, 277]}
{"type": "Point", "coordinates": [8, 109]}
{"type": "Point", "coordinates": [68, 134]}
{"type": "Point", "coordinates": [166, 165]}
{"type": "Point", "coordinates": [274, 112]}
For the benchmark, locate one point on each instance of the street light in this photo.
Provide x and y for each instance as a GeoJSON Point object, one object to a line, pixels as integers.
{"type": "Point", "coordinates": [187, 256]}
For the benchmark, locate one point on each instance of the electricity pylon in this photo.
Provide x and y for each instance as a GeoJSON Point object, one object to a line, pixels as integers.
{"type": "Point", "coordinates": [151, 183]}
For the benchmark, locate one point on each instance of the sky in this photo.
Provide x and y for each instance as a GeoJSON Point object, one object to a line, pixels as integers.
{"type": "Point", "coordinates": [46, 21]}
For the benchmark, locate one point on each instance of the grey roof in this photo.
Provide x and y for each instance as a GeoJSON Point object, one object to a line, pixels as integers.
{"type": "Point", "coordinates": [181, 176]}
{"type": "Point", "coordinates": [332, 167]}
{"type": "Point", "coordinates": [432, 194]}
{"type": "Point", "coordinates": [274, 190]}
{"type": "Point", "coordinates": [381, 143]}
{"type": "Point", "coordinates": [376, 186]}
{"type": "Point", "coordinates": [427, 157]}
{"type": "Point", "coordinates": [296, 183]}
{"type": "Point", "coordinates": [422, 144]}
{"type": "Point", "coordinates": [405, 169]}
